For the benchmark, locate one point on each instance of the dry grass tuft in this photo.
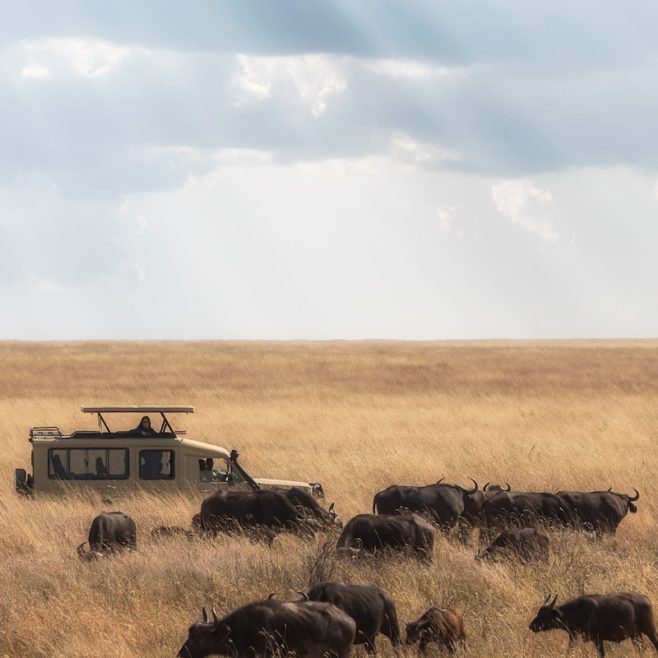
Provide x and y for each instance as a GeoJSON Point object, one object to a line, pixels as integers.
{"type": "Point", "coordinates": [356, 417]}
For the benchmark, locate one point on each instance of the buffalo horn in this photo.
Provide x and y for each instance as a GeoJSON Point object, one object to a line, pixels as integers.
{"type": "Point", "coordinates": [637, 495]}
{"type": "Point", "coordinates": [552, 603]}
{"type": "Point", "coordinates": [609, 489]}
{"type": "Point", "coordinates": [486, 486]}
{"type": "Point", "coordinates": [331, 507]}
{"type": "Point", "coordinates": [214, 615]}
{"type": "Point", "coordinates": [205, 615]}
{"type": "Point", "coordinates": [477, 486]}
{"type": "Point", "coordinates": [304, 596]}
{"type": "Point", "coordinates": [508, 487]}
{"type": "Point", "coordinates": [271, 596]}
{"type": "Point", "coordinates": [81, 550]}
{"type": "Point", "coordinates": [441, 480]}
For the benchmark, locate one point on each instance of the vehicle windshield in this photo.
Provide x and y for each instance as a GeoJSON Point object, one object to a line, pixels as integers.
{"type": "Point", "coordinates": [217, 470]}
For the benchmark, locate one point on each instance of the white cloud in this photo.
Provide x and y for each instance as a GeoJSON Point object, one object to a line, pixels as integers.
{"type": "Point", "coordinates": [396, 68]}
{"type": "Point", "coordinates": [45, 285]}
{"type": "Point", "coordinates": [139, 271]}
{"type": "Point", "coordinates": [253, 79]}
{"type": "Point", "coordinates": [35, 72]}
{"type": "Point", "coordinates": [87, 58]}
{"type": "Point", "coordinates": [315, 78]}
{"type": "Point", "coordinates": [655, 188]}
{"type": "Point", "coordinates": [525, 205]}
{"type": "Point", "coordinates": [446, 215]}
{"type": "Point", "coordinates": [406, 148]}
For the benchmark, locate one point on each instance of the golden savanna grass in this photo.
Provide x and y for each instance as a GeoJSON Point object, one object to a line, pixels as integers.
{"type": "Point", "coordinates": [356, 417]}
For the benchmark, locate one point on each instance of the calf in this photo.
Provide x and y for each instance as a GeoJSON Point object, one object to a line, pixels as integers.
{"type": "Point", "coordinates": [444, 626]}
{"type": "Point", "coordinates": [372, 610]}
{"type": "Point", "coordinates": [109, 532]}
{"type": "Point", "coordinates": [372, 533]}
{"type": "Point", "coordinates": [600, 618]}
{"type": "Point", "coordinates": [308, 629]}
{"type": "Point", "coordinates": [526, 544]}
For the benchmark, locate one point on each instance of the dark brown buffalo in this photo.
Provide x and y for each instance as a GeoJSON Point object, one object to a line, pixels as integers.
{"type": "Point", "coordinates": [373, 611]}
{"type": "Point", "coordinates": [373, 533]}
{"type": "Point", "coordinates": [309, 506]}
{"type": "Point", "coordinates": [473, 511]}
{"type": "Point", "coordinates": [600, 511]}
{"type": "Point", "coordinates": [443, 503]}
{"type": "Point", "coordinates": [525, 543]}
{"type": "Point", "coordinates": [524, 509]}
{"type": "Point", "coordinates": [444, 626]}
{"type": "Point", "coordinates": [109, 532]}
{"type": "Point", "coordinates": [262, 508]}
{"type": "Point", "coordinates": [600, 618]}
{"type": "Point", "coordinates": [307, 629]}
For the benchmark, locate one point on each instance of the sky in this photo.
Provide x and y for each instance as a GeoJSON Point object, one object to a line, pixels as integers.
{"type": "Point", "coordinates": [302, 169]}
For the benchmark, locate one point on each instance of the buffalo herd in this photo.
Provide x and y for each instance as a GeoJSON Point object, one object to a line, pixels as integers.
{"type": "Point", "coordinates": [332, 616]}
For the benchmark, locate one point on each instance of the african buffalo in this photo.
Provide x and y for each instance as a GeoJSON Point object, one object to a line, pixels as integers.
{"type": "Point", "coordinates": [444, 626]}
{"type": "Point", "coordinates": [372, 533]}
{"type": "Point", "coordinates": [264, 508]}
{"type": "Point", "coordinates": [473, 511]}
{"type": "Point", "coordinates": [443, 503]}
{"type": "Point", "coordinates": [524, 509]}
{"type": "Point", "coordinates": [600, 618]}
{"type": "Point", "coordinates": [372, 610]}
{"type": "Point", "coordinates": [109, 532]}
{"type": "Point", "coordinates": [600, 511]}
{"type": "Point", "coordinates": [524, 543]}
{"type": "Point", "coordinates": [307, 629]}
{"type": "Point", "coordinates": [309, 506]}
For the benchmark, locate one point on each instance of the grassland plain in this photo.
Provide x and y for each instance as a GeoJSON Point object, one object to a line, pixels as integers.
{"type": "Point", "coordinates": [356, 417]}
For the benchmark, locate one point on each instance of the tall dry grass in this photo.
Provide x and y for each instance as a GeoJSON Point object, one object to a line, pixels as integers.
{"type": "Point", "coordinates": [356, 417]}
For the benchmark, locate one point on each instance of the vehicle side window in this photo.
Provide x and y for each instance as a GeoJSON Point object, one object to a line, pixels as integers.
{"type": "Point", "coordinates": [88, 464]}
{"type": "Point", "coordinates": [157, 464]}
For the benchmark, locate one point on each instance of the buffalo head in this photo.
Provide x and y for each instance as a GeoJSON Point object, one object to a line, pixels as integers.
{"type": "Point", "coordinates": [207, 637]}
{"type": "Point", "coordinates": [631, 500]}
{"type": "Point", "coordinates": [548, 617]}
{"type": "Point", "coordinates": [334, 518]}
{"type": "Point", "coordinates": [415, 632]}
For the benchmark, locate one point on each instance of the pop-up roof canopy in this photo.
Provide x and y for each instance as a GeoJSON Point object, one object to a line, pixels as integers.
{"type": "Point", "coordinates": [141, 409]}
{"type": "Point", "coordinates": [138, 410]}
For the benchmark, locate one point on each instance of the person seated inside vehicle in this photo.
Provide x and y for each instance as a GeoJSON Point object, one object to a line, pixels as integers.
{"type": "Point", "coordinates": [144, 428]}
{"type": "Point", "coordinates": [101, 469]}
{"type": "Point", "coordinates": [209, 473]}
{"type": "Point", "coordinates": [59, 472]}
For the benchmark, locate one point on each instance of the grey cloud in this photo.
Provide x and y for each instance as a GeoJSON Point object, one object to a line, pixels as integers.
{"type": "Point", "coordinates": [520, 108]}
{"type": "Point", "coordinates": [560, 33]}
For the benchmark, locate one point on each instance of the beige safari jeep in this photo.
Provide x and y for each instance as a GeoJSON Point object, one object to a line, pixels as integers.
{"type": "Point", "coordinates": [153, 459]}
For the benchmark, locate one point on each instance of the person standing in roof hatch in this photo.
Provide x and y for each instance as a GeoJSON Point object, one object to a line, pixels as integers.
{"type": "Point", "coordinates": [144, 428]}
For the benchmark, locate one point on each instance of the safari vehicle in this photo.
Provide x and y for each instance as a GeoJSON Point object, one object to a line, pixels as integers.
{"type": "Point", "coordinates": [111, 461]}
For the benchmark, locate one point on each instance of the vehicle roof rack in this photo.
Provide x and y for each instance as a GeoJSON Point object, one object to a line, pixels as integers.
{"type": "Point", "coordinates": [42, 432]}
{"type": "Point", "coordinates": [138, 409]}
